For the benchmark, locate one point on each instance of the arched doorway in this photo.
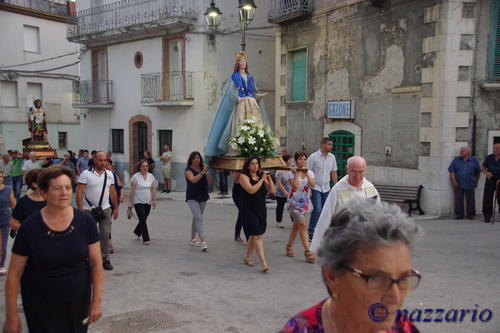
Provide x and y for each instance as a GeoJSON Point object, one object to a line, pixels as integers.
{"type": "Point", "coordinates": [140, 140]}
{"type": "Point", "coordinates": [343, 148]}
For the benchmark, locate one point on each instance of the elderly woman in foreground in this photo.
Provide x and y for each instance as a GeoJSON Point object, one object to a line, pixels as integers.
{"type": "Point", "coordinates": [56, 263]}
{"type": "Point", "coordinates": [366, 261]}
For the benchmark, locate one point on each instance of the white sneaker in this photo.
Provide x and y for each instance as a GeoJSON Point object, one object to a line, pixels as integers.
{"type": "Point", "coordinates": [3, 271]}
{"type": "Point", "coordinates": [195, 242]}
{"type": "Point", "coordinates": [204, 246]}
{"type": "Point", "coordinates": [279, 225]}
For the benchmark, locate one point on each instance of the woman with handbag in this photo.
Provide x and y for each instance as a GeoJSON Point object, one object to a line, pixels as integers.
{"type": "Point", "coordinates": [142, 196]}
{"type": "Point", "coordinates": [299, 202]}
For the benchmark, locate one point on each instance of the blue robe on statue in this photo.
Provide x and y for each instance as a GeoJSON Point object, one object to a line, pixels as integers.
{"type": "Point", "coordinates": [222, 126]}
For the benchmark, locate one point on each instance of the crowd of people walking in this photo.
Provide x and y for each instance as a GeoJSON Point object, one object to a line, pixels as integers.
{"type": "Point", "coordinates": [42, 222]}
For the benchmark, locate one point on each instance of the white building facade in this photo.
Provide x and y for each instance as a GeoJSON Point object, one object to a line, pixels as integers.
{"type": "Point", "coordinates": [153, 74]}
{"type": "Point", "coordinates": [37, 62]}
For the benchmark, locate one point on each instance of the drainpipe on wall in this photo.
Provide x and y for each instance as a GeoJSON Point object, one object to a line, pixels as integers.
{"type": "Point", "coordinates": [474, 81]}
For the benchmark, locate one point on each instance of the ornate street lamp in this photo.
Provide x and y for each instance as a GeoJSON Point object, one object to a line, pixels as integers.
{"type": "Point", "coordinates": [213, 16]}
{"type": "Point", "coordinates": [247, 12]}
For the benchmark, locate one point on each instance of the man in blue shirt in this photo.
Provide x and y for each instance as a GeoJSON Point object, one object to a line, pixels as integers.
{"type": "Point", "coordinates": [491, 168]}
{"type": "Point", "coordinates": [464, 174]}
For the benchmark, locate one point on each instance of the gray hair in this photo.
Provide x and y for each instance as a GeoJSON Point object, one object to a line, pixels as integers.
{"type": "Point", "coordinates": [353, 159]}
{"type": "Point", "coordinates": [362, 222]}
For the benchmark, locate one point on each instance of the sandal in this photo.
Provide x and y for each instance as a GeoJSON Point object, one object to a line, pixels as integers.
{"type": "Point", "coordinates": [289, 251]}
{"type": "Point", "coordinates": [310, 258]}
{"type": "Point", "coordinates": [238, 239]}
{"type": "Point", "coordinates": [265, 269]}
{"type": "Point", "coordinates": [248, 262]}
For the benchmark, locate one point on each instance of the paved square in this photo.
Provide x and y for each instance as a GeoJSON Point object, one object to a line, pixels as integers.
{"type": "Point", "coordinates": [171, 286]}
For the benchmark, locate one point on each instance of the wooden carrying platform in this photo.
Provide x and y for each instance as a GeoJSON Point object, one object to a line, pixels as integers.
{"type": "Point", "coordinates": [42, 150]}
{"type": "Point", "coordinates": [233, 163]}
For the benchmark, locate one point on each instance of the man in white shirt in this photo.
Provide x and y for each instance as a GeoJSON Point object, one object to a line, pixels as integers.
{"type": "Point", "coordinates": [353, 185]}
{"type": "Point", "coordinates": [88, 194]}
{"type": "Point", "coordinates": [32, 164]}
{"type": "Point", "coordinates": [324, 166]}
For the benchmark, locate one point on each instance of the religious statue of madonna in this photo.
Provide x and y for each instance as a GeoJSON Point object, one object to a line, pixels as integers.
{"type": "Point", "coordinates": [240, 101]}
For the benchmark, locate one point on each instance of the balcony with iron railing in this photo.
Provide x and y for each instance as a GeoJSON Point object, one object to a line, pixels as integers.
{"type": "Point", "coordinates": [130, 18]}
{"type": "Point", "coordinates": [285, 10]}
{"type": "Point", "coordinates": [53, 7]}
{"type": "Point", "coordinates": [167, 89]}
{"type": "Point", "coordinates": [96, 94]}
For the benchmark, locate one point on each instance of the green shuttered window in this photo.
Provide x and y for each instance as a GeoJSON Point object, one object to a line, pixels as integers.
{"type": "Point", "coordinates": [494, 43]}
{"type": "Point", "coordinates": [298, 68]}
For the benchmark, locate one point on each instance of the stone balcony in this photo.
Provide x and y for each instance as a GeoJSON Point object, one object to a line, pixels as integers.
{"type": "Point", "coordinates": [131, 19]}
{"type": "Point", "coordinates": [167, 89]}
{"type": "Point", "coordinates": [281, 11]}
{"type": "Point", "coordinates": [93, 94]}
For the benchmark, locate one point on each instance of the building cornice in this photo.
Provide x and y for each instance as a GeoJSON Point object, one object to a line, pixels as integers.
{"type": "Point", "coordinates": [33, 13]}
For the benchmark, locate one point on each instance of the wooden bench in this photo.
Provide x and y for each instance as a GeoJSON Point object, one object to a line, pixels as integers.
{"type": "Point", "coordinates": [402, 194]}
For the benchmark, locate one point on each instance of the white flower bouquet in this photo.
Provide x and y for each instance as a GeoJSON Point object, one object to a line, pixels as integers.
{"type": "Point", "coordinates": [254, 140]}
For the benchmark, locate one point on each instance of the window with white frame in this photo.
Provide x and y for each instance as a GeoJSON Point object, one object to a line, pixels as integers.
{"type": "Point", "coordinates": [31, 39]}
{"type": "Point", "coordinates": [34, 92]}
{"type": "Point", "coordinates": [8, 91]}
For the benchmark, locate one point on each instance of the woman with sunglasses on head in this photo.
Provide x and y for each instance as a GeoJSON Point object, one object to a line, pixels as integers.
{"type": "Point", "coordinates": [301, 181]}
{"type": "Point", "coordinates": [255, 183]}
{"type": "Point", "coordinates": [142, 196]}
{"type": "Point", "coordinates": [197, 179]}
{"type": "Point", "coordinates": [366, 261]}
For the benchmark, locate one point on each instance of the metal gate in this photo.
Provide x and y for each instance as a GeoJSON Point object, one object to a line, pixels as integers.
{"type": "Point", "coordinates": [343, 148]}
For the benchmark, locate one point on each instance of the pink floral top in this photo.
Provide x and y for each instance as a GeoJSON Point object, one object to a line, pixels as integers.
{"type": "Point", "coordinates": [309, 321]}
{"type": "Point", "coordinates": [299, 198]}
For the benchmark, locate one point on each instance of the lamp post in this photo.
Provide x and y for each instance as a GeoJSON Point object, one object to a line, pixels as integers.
{"type": "Point", "coordinates": [213, 16]}
{"type": "Point", "coordinates": [247, 12]}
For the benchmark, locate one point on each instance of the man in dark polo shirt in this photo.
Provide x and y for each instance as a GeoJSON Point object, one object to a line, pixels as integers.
{"type": "Point", "coordinates": [491, 167]}
{"type": "Point", "coordinates": [464, 174]}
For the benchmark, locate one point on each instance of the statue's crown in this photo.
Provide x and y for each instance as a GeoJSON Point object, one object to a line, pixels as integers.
{"type": "Point", "coordinates": [240, 55]}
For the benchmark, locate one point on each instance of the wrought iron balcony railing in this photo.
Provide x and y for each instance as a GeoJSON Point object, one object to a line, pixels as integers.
{"type": "Point", "coordinates": [167, 88]}
{"type": "Point", "coordinates": [125, 16]}
{"type": "Point", "coordinates": [284, 10]}
{"type": "Point", "coordinates": [93, 93]}
{"type": "Point", "coordinates": [57, 7]}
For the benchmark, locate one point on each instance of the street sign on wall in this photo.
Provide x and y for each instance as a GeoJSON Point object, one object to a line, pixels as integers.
{"type": "Point", "coordinates": [340, 110]}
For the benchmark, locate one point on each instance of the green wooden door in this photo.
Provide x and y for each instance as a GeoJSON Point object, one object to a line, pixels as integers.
{"type": "Point", "coordinates": [343, 148]}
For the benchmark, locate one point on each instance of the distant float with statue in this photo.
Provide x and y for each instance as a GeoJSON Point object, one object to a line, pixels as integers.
{"type": "Point", "coordinates": [240, 128]}
{"type": "Point", "coordinates": [37, 126]}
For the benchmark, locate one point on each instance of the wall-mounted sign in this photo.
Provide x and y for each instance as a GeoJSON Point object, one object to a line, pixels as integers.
{"type": "Point", "coordinates": [340, 110]}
